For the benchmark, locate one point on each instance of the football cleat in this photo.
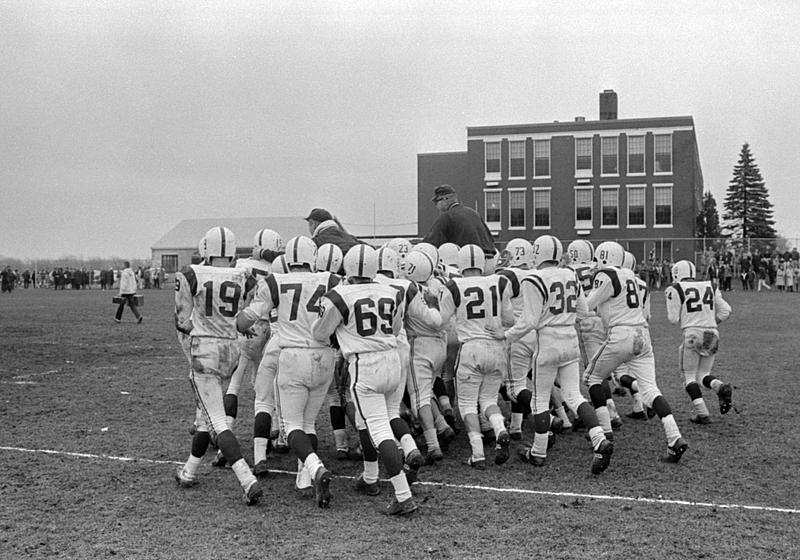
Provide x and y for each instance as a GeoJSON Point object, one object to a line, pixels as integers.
{"type": "Point", "coordinates": [450, 418]}
{"type": "Point", "coordinates": [640, 415]}
{"type": "Point", "coordinates": [260, 470]}
{"type": "Point", "coordinates": [413, 463]}
{"type": "Point", "coordinates": [367, 488]}
{"type": "Point", "coordinates": [405, 507]}
{"type": "Point", "coordinates": [725, 394]}
{"type": "Point", "coordinates": [602, 456]}
{"type": "Point", "coordinates": [219, 460]}
{"type": "Point", "coordinates": [322, 492]}
{"type": "Point", "coordinates": [516, 435]}
{"type": "Point", "coordinates": [477, 463]}
{"type": "Point", "coordinates": [501, 449]}
{"type": "Point", "coordinates": [488, 436]}
{"type": "Point", "coordinates": [556, 425]}
{"type": "Point", "coordinates": [700, 419]}
{"type": "Point", "coordinates": [183, 479]}
{"type": "Point", "coordinates": [619, 391]}
{"type": "Point", "coordinates": [524, 453]}
{"type": "Point", "coordinates": [433, 456]}
{"type": "Point", "coordinates": [252, 493]}
{"type": "Point", "coordinates": [616, 423]}
{"type": "Point", "coordinates": [675, 451]}
{"type": "Point", "coordinates": [281, 446]}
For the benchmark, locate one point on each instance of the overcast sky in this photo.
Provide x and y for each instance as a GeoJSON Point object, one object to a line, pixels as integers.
{"type": "Point", "coordinates": [119, 119]}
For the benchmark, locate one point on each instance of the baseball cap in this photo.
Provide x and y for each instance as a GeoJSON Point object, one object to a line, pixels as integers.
{"type": "Point", "coordinates": [442, 191]}
{"type": "Point", "coordinates": [319, 215]}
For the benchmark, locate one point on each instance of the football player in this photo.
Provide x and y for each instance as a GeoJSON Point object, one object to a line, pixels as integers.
{"type": "Point", "coordinates": [517, 257]}
{"type": "Point", "coordinates": [267, 245]}
{"type": "Point", "coordinates": [477, 301]}
{"type": "Point", "coordinates": [305, 365]}
{"type": "Point", "coordinates": [615, 295]}
{"type": "Point", "coordinates": [207, 299]}
{"type": "Point", "coordinates": [552, 301]}
{"type": "Point", "coordinates": [366, 318]}
{"type": "Point", "coordinates": [413, 307]}
{"type": "Point", "coordinates": [697, 306]}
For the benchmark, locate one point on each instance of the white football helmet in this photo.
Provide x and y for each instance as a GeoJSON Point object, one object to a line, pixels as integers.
{"type": "Point", "coordinates": [629, 261]}
{"type": "Point", "coordinates": [609, 253]}
{"type": "Point", "coordinates": [218, 242]}
{"type": "Point", "coordinates": [400, 246]}
{"type": "Point", "coordinates": [682, 270]}
{"type": "Point", "coordinates": [388, 261]}
{"type": "Point", "coordinates": [580, 251]}
{"type": "Point", "coordinates": [329, 258]}
{"type": "Point", "coordinates": [471, 256]}
{"type": "Point", "coordinates": [279, 265]}
{"type": "Point", "coordinates": [419, 267]}
{"type": "Point", "coordinates": [430, 251]}
{"type": "Point", "coordinates": [448, 254]}
{"type": "Point", "coordinates": [546, 248]}
{"type": "Point", "coordinates": [361, 261]}
{"type": "Point", "coordinates": [268, 239]}
{"type": "Point", "coordinates": [517, 253]}
{"type": "Point", "coordinates": [301, 250]}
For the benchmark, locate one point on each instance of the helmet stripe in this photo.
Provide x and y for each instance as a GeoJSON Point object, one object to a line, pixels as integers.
{"type": "Point", "coordinates": [361, 260]}
{"type": "Point", "coordinates": [222, 241]}
{"type": "Point", "coordinates": [330, 258]}
{"type": "Point", "coordinates": [260, 238]}
{"type": "Point", "coordinates": [555, 249]}
{"type": "Point", "coordinates": [294, 250]}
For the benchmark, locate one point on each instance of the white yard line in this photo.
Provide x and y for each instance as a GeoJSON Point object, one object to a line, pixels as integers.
{"type": "Point", "coordinates": [630, 499]}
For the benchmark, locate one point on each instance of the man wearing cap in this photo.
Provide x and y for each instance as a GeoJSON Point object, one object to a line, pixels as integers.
{"type": "Point", "coordinates": [324, 228]}
{"type": "Point", "coordinates": [459, 224]}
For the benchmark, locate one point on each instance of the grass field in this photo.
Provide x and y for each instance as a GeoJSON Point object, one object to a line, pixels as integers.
{"type": "Point", "coordinates": [74, 382]}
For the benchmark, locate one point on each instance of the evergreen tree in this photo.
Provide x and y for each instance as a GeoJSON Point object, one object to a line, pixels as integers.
{"type": "Point", "coordinates": [708, 218]}
{"type": "Point", "coordinates": [748, 211]}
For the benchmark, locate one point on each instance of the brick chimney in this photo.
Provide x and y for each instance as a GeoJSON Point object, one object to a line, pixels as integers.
{"type": "Point", "coordinates": [608, 105]}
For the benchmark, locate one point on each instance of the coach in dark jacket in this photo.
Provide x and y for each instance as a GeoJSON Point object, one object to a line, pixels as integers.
{"type": "Point", "coordinates": [324, 228]}
{"type": "Point", "coordinates": [458, 224]}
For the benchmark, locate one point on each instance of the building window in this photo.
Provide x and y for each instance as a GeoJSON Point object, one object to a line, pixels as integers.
{"type": "Point", "coordinates": [583, 208]}
{"type": "Point", "coordinates": [493, 158]}
{"type": "Point", "coordinates": [583, 157]}
{"type": "Point", "coordinates": [662, 153]}
{"type": "Point", "coordinates": [169, 263]}
{"type": "Point", "coordinates": [516, 208]}
{"type": "Point", "coordinates": [635, 155]}
{"type": "Point", "coordinates": [516, 163]}
{"type": "Point", "coordinates": [662, 196]}
{"type": "Point", "coordinates": [541, 208]}
{"type": "Point", "coordinates": [609, 207]}
{"type": "Point", "coordinates": [541, 158]}
{"type": "Point", "coordinates": [609, 149]}
{"type": "Point", "coordinates": [636, 204]}
{"type": "Point", "coordinates": [493, 206]}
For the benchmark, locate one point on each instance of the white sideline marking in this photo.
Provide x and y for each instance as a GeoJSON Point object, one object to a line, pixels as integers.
{"type": "Point", "coordinates": [660, 501]}
{"type": "Point", "coordinates": [35, 374]}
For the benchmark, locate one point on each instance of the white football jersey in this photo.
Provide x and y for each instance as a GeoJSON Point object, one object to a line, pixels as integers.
{"type": "Point", "coordinates": [365, 317]}
{"type": "Point", "coordinates": [553, 299]}
{"type": "Point", "coordinates": [419, 318]}
{"type": "Point", "coordinates": [617, 298]}
{"type": "Point", "coordinates": [583, 272]}
{"type": "Point", "coordinates": [477, 302]}
{"type": "Point", "coordinates": [515, 276]}
{"type": "Point", "coordinates": [695, 304]}
{"type": "Point", "coordinates": [296, 296]}
{"type": "Point", "coordinates": [258, 268]}
{"type": "Point", "coordinates": [211, 297]}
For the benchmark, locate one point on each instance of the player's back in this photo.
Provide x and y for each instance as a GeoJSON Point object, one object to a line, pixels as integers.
{"type": "Point", "coordinates": [560, 290]}
{"type": "Point", "coordinates": [218, 294]}
{"type": "Point", "coordinates": [369, 313]}
{"type": "Point", "coordinates": [258, 268]}
{"type": "Point", "coordinates": [696, 301]}
{"type": "Point", "coordinates": [583, 273]}
{"type": "Point", "coordinates": [623, 307]}
{"type": "Point", "coordinates": [296, 296]}
{"type": "Point", "coordinates": [515, 276]}
{"type": "Point", "coordinates": [478, 304]}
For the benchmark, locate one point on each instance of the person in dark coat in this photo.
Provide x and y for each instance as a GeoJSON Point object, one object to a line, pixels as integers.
{"type": "Point", "coordinates": [324, 228]}
{"type": "Point", "coordinates": [459, 224]}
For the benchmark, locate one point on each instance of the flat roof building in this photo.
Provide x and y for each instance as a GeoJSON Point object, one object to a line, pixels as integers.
{"type": "Point", "coordinates": [637, 181]}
